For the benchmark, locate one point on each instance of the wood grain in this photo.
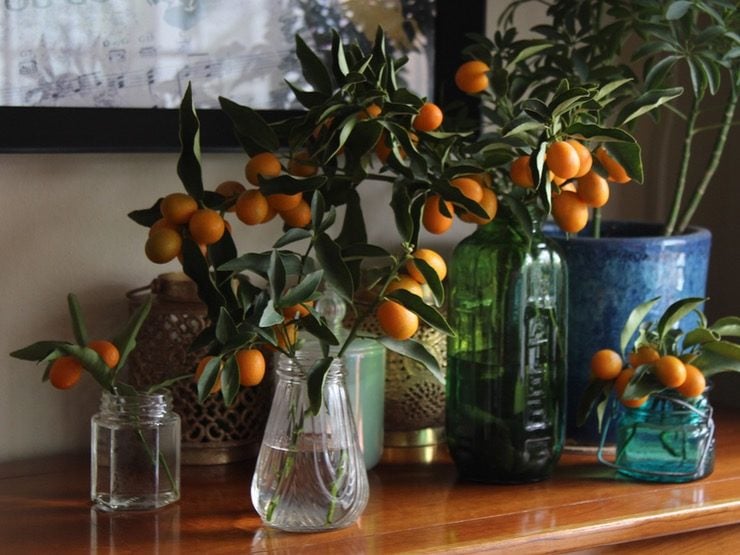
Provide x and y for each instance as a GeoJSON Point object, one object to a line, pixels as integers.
{"type": "Point", "coordinates": [413, 508]}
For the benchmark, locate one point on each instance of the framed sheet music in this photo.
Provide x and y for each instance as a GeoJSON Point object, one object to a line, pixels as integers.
{"type": "Point", "coordinates": [108, 75]}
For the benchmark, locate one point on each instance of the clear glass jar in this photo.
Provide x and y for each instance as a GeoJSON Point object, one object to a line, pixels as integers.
{"type": "Point", "coordinates": [505, 400]}
{"type": "Point", "coordinates": [667, 439]}
{"type": "Point", "coordinates": [135, 452]}
{"type": "Point", "coordinates": [310, 473]}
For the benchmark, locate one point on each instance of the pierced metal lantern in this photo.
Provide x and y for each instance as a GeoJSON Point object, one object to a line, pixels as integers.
{"type": "Point", "coordinates": [414, 414]}
{"type": "Point", "coordinates": [212, 433]}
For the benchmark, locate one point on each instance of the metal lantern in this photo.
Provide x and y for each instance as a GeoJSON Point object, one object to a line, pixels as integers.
{"type": "Point", "coordinates": [212, 433]}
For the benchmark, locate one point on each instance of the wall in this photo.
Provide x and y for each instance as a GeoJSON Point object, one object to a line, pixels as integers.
{"type": "Point", "coordinates": [63, 228]}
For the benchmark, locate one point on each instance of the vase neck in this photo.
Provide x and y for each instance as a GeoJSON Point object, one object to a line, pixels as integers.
{"type": "Point", "coordinates": [140, 405]}
{"type": "Point", "coordinates": [525, 220]}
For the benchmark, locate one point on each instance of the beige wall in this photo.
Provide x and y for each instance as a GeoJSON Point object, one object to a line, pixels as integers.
{"type": "Point", "coordinates": [63, 228]}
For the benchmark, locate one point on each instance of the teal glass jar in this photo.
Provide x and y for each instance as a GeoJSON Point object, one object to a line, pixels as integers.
{"type": "Point", "coordinates": [667, 439]}
{"type": "Point", "coordinates": [505, 399]}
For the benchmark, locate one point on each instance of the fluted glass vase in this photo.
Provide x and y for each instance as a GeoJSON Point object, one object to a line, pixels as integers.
{"type": "Point", "coordinates": [310, 474]}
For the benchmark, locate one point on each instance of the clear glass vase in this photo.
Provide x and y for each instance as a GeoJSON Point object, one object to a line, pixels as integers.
{"type": "Point", "coordinates": [667, 439]}
{"type": "Point", "coordinates": [505, 399]}
{"type": "Point", "coordinates": [135, 452]}
{"type": "Point", "coordinates": [310, 474]}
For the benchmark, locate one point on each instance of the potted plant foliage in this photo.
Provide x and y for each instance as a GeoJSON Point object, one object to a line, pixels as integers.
{"type": "Point", "coordinates": [586, 44]}
{"type": "Point", "coordinates": [359, 125]}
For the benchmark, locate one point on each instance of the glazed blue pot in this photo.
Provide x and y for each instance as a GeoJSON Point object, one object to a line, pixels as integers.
{"type": "Point", "coordinates": [607, 277]}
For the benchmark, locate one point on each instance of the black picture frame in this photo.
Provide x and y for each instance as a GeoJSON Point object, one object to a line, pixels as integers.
{"type": "Point", "coordinates": [45, 129]}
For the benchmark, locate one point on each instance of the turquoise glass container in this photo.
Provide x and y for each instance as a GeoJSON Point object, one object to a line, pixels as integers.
{"type": "Point", "coordinates": [668, 439]}
{"type": "Point", "coordinates": [364, 363]}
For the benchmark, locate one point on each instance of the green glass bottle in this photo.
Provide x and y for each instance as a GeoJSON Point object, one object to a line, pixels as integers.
{"type": "Point", "coordinates": [505, 405]}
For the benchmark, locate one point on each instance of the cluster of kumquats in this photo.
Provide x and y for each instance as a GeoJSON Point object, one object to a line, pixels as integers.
{"type": "Point", "coordinates": [578, 186]}
{"type": "Point", "coordinates": [103, 359]}
{"type": "Point", "coordinates": [672, 372]}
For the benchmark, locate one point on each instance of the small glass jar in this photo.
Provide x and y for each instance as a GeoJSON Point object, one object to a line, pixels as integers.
{"type": "Point", "coordinates": [135, 452]}
{"type": "Point", "coordinates": [667, 439]}
{"type": "Point", "coordinates": [310, 474]}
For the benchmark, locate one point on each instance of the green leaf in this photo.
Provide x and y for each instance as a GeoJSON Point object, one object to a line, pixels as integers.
{"type": "Point", "coordinates": [270, 316]}
{"type": "Point", "coordinates": [147, 216]}
{"type": "Point", "coordinates": [329, 255]}
{"type": "Point", "coordinates": [230, 381]}
{"type": "Point", "coordinates": [276, 276]}
{"type": "Point", "coordinates": [633, 322]}
{"type": "Point", "coordinates": [415, 351]}
{"type": "Point", "coordinates": [318, 209]}
{"type": "Point", "coordinates": [319, 329]}
{"type": "Point", "coordinates": [314, 70]}
{"type": "Point", "coordinates": [526, 53]}
{"type": "Point", "coordinates": [401, 203]}
{"type": "Point", "coordinates": [259, 263]}
{"type": "Point", "coordinates": [647, 102]}
{"type": "Point", "coordinates": [196, 267]}
{"type": "Point", "coordinates": [658, 72]}
{"type": "Point", "coordinates": [188, 165]}
{"type": "Point", "coordinates": [416, 305]}
{"type": "Point", "coordinates": [38, 351]}
{"type": "Point", "coordinates": [595, 393]}
{"type": "Point", "coordinates": [676, 10]}
{"type": "Point", "coordinates": [291, 236]}
{"type": "Point", "coordinates": [125, 341]}
{"type": "Point", "coordinates": [225, 327]}
{"type": "Point", "coordinates": [316, 376]}
{"type": "Point", "coordinates": [78, 321]}
{"type": "Point", "coordinates": [712, 362]}
{"type": "Point", "coordinates": [432, 280]}
{"type": "Point", "coordinates": [698, 336]}
{"type": "Point", "coordinates": [597, 133]}
{"type": "Point", "coordinates": [677, 312]}
{"type": "Point", "coordinates": [289, 185]}
{"type": "Point", "coordinates": [729, 325]}
{"type": "Point", "coordinates": [340, 65]}
{"type": "Point", "coordinates": [628, 154]}
{"type": "Point", "coordinates": [304, 290]}
{"type": "Point", "coordinates": [251, 129]}
{"type": "Point", "coordinates": [353, 225]}
{"type": "Point", "coordinates": [92, 362]}
{"type": "Point", "coordinates": [208, 378]}
{"type": "Point", "coordinates": [360, 251]}
{"type": "Point", "coordinates": [565, 101]}
{"type": "Point", "coordinates": [608, 88]}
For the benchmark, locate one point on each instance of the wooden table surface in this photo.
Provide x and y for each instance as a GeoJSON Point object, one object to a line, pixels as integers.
{"type": "Point", "coordinates": [413, 508]}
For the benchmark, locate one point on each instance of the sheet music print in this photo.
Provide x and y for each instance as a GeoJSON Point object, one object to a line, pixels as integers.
{"type": "Point", "coordinates": [142, 53]}
{"type": "Point", "coordinates": [118, 53]}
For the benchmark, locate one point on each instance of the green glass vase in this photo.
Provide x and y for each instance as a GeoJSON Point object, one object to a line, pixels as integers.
{"type": "Point", "coordinates": [505, 405]}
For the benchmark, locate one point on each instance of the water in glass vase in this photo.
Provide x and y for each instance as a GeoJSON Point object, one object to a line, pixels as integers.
{"type": "Point", "coordinates": [306, 488]}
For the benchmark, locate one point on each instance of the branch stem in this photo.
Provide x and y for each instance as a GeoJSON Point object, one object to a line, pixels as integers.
{"type": "Point", "coordinates": [717, 150]}
{"type": "Point", "coordinates": [684, 170]}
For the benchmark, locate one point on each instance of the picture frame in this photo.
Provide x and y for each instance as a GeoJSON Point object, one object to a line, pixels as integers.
{"type": "Point", "coordinates": [123, 129]}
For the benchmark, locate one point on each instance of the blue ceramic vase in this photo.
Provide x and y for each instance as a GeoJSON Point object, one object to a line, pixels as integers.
{"type": "Point", "coordinates": [608, 277]}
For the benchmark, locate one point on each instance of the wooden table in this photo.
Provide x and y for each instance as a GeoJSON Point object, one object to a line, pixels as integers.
{"type": "Point", "coordinates": [419, 508]}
